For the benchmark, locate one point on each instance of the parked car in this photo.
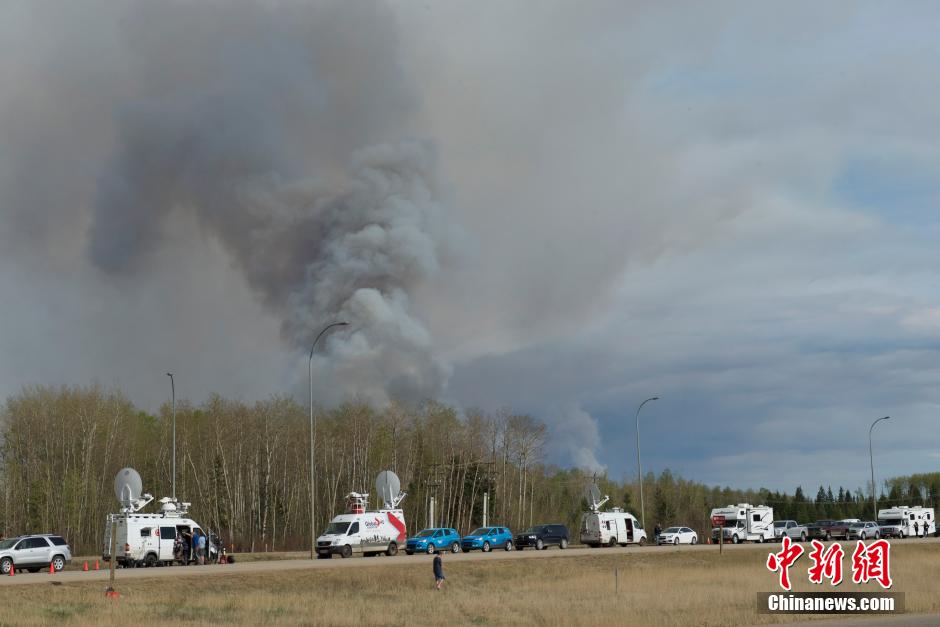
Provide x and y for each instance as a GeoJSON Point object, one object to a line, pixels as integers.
{"type": "Point", "coordinates": [790, 528]}
{"type": "Point", "coordinates": [543, 536]}
{"type": "Point", "coordinates": [34, 552]}
{"type": "Point", "coordinates": [431, 540]}
{"type": "Point", "coordinates": [487, 538]}
{"type": "Point", "coordinates": [840, 528]}
{"type": "Point", "coordinates": [677, 535]}
{"type": "Point", "coordinates": [864, 530]}
{"type": "Point", "coordinates": [820, 530]}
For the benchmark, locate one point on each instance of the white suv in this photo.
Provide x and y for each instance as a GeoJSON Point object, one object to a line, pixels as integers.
{"type": "Point", "coordinates": [34, 552]}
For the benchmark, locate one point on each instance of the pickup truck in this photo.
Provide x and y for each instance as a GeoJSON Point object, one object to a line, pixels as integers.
{"type": "Point", "coordinates": [828, 529]}
{"type": "Point", "coordinates": [790, 528]}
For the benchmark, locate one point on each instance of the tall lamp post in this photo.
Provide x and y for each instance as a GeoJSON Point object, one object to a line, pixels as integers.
{"type": "Point", "coordinates": [871, 459]}
{"type": "Point", "coordinates": [173, 392]}
{"type": "Point", "coordinates": [313, 484]}
{"type": "Point", "coordinates": [639, 471]}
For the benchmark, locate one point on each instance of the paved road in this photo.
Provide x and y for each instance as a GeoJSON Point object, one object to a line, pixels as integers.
{"type": "Point", "coordinates": [122, 574]}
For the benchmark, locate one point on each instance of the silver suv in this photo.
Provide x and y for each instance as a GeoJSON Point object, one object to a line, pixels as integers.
{"type": "Point", "coordinates": [34, 552]}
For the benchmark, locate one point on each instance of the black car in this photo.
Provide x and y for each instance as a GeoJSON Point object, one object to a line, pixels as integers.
{"type": "Point", "coordinates": [542, 536]}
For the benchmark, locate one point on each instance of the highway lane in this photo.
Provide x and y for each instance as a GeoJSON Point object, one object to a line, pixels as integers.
{"type": "Point", "coordinates": [262, 566]}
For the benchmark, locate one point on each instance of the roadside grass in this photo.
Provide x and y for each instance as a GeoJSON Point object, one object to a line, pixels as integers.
{"type": "Point", "coordinates": [667, 587]}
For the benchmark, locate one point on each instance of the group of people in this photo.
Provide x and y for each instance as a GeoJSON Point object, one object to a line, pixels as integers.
{"type": "Point", "coordinates": [190, 546]}
{"type": "Point", "coordinates": [926, 527]}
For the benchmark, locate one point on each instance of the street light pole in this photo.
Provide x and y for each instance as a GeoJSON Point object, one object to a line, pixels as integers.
{"type": "Point", "coordinates": [313, 484]}
{"type": "Point", "coordinates": [871, 459]}
{"type": "Point", "coordinates": [639, 471]}
{"type": "Point", "coordinates": [173, 392]}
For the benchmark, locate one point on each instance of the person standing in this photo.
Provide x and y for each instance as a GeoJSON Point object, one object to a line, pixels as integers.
{"type": "Point", "coordinates": [201, 549]}
{"type": "Point", "coordinates": [438, 569]}
{"type": "Point", "coordinates": [916, 529]}
{"type": "Point", "coordinates": [658, 530]}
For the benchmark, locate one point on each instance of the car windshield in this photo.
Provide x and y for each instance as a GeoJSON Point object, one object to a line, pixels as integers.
{"type": "Point", "coordinates": [730, 524]}
{"type": "Point", "coordinates": [672, 530]}
{"type": "Point", "coordinates": [533, 530]}
{"type": "Point", "coordinates": [427, 533]}
{"type": "Point", "coordinates": [824, 523]}
{"type": "Point", "coordinates": [8, 544]}
{"type": "Point", "coordinates": [890, 521]}
{"type": "Point", "coordinates": [479, 532]}
{"type": "Point", "coordinates": [857, 525]}
{"type": "Point", "coordinates": [337, 528]}
{"type": "Point", "coordinates": [780, 523]}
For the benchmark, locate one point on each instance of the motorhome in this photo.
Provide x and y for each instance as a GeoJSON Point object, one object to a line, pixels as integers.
{"type": "Point", "coordinates": [744, 522]}
{"type": "Point", "coordinates": [362, 532]}
{"type": "Point", "coordinates": [898, 522]}
{"type": "Point", "coordinates": [150, 539]}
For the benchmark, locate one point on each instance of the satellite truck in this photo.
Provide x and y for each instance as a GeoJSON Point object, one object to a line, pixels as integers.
{"type": "Point", "coordinates": [149, 539]}
{"type": "Point", "coordinates": [366, 532]}
{"type": "Point", "coordinates": [613, 528]}
{"type": "Point", "coordinates": [744, 522]}
{"type": "Point", "coordinates": [898, 522]}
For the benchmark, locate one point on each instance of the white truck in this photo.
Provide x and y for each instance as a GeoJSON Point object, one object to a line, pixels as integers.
{"type": "Point", "coordinates": [612, 528]}
{"type": "Point", "coordinates": [744, 522]}
{"type": "Point", "coordinates": [151, 539]}
{"type": "Point", "coordinates": [898, 522]}
{"type": "Point", "coordinates": [363, 532]}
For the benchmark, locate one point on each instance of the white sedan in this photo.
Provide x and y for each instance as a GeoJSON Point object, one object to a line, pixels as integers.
{"type": "Point", "coordinates": [677, 535]}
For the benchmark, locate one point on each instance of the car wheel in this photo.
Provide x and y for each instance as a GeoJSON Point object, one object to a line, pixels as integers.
{"type": "Point", "coordinates": [642, 541]}
{"type": "Point", "coordinates": [539, 545]}
{"type": "Point", "coordinates": [392, 549]}
{"type": "Point", "coordinates": [563, 544]}
{"type": "Point", "coordinates": [509, 546]}
{"type": "Point", "coordinates": [150, 561]}
{"type": "Point", "coordinates": [734, 539]}
{"type": "Point", "coordinates": [828, 536]}
{"type": "Point", "coordinates": [430, 548]}
{"type": "Point", "coordinates": [486, 547]}
{"type": "Point", "coordinates": [455, 547]}
{"type": "Point", "coordinates": [676, 541]}
{"type": "Point", "coordinates": [862, 535]}
{"type": "Point", "coordinates": [802, 537]}
{"type": "Point", "coordinates": [613, 542]}
{"type": "Point", "coordinates": [346, 551]}
{"type": "Point", "coordinates": [694, 539]}
{"type": "Point", "coordinates": [58, 563]}
{"type": "Point", "coordinates": [877, 535]}
{"type": "Point", "coordinates": [5, 565]}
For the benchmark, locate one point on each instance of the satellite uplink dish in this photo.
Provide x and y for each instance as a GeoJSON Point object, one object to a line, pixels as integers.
{"type": "Point", "coordinates": [128, 488]}
{"type": "Point", "coordinates": [388, 487]}
{"type": "Point", "coordinates": [592, 494]}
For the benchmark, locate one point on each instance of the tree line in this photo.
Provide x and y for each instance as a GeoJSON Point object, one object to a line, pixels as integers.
{"type": "Point", "coordinates": [246, 469]}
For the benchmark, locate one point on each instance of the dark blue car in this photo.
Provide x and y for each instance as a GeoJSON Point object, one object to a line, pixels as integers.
{"type": "Point", "coordinates": [432, 540]}
{"type": "Point", "coordinates": [488, 538]}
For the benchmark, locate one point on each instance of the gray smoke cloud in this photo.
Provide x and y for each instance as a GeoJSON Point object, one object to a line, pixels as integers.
{"type": "Point", "coordinates": [252, 145]}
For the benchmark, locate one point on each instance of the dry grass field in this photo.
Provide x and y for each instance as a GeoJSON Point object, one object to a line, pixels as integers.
{"type": "Point", "coordinates": [667, 587]}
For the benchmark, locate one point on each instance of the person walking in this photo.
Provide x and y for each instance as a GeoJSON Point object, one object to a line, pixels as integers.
{"type": "Point", "coordinates": [438, 569]}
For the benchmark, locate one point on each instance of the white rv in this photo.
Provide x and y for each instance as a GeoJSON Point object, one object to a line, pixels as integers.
{"type": "Point", "coordinates": [367, 532]}
{"type": "Point", "coordinates": [150, 539]}
{"type": "Point", "coordinates": [744, 522]}
{"type": "Point", "coordinates": [898, 522]}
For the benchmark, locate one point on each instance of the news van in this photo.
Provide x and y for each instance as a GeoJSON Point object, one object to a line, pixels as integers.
{"type": "Point", "coordinates": [613, 528]}
{"type": "Point", "coordinates": [359, 531]}
{"type": "Point", "coordinates": [151, 539]}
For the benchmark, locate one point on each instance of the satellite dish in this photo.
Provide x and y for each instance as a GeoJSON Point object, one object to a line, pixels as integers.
{"type": "Point", "coordinates": [592, 494]}
{"type": "Point", "coordinates": [388, 487]}
{"type": "Point", "coordinates": [127, 486]}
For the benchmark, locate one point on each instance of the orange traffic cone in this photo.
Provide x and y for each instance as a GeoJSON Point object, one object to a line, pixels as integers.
{"type": "Point", "coordinates": [85, 567]}
{"type": "Point", "coordinates": [51, 569]}
{"type": "Point", "coordinates": [96, 564]}
{"type": "Point", "coordinates": [12, 570]}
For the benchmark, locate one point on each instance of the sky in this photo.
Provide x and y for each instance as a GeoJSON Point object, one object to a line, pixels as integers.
{"type": "Point", "coordinates": [559, 208]}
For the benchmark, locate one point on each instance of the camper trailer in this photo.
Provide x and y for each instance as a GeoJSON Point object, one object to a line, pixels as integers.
{"type": "Point", "coordinates": [362, 532]}
{"type": "Point", "coordinates": [613, 528]}
{"type": "Point", "coordinates": [898, 522]}
{"type": "Point", "coordinates": [744, 522]}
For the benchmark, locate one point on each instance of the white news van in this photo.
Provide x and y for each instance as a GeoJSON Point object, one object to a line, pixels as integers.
{"type": "Point", "coordinates": [612, 528]}
{"type": "Point", "coordinates": [744, 522]}
{"type": "Point", "coordinates": [363, 532]}
{"type": "Point", "coordinates": [150, 539]}
{"type": "Point", "coordinates": [898, 522]}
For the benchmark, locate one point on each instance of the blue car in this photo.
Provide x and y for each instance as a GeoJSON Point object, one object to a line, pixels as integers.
{"type": "Point", "coordinates": [487, 538]}
{"type": "Point", "coordinates": [432, 540]}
